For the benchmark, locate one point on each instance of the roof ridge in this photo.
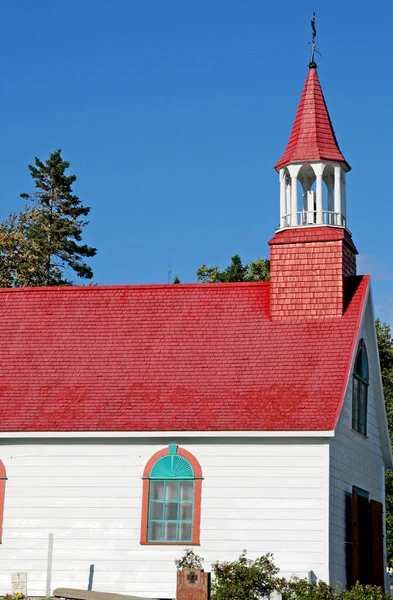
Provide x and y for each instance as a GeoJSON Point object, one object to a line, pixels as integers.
{"type": "Point", "coordinates": [81, 288]}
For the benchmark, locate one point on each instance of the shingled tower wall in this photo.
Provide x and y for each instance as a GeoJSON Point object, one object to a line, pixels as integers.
{"type": "Point", "coordinates": [308, 269]}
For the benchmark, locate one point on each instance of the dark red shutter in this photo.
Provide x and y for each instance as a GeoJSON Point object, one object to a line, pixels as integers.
{"type": "Point", "coordinates": [377, 543]}
{"type": "Point", "coordinates": [355, 537]}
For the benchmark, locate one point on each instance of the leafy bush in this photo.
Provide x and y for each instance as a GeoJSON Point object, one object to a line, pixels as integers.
{"type": "Point", "coordinates": [190, 560]}
{"type": "Point", "coordinates": [301, 589]}
{"type": "Point", "coordinates": [362, 592]}
{"type": "Point", "coordinates": [245, 579]}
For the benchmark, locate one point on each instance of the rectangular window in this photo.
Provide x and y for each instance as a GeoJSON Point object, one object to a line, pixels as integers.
{"type": "Point", "coordinates": [362, 408]}
{"type": "Point", "coordinates": [170, 511]}
{"type": "Point", "coordinates": [355, 407]}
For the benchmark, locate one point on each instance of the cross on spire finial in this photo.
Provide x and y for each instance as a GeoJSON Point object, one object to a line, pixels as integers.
{"type": "Point", "coordinates": [312, 64]}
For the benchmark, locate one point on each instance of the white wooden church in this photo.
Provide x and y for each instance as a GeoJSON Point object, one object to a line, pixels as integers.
{"type": "Point", "coordinates": [139, 420]}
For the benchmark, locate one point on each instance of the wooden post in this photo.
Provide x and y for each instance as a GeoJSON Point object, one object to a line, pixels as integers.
{"type": "Point", "coordinates": [48, 593]}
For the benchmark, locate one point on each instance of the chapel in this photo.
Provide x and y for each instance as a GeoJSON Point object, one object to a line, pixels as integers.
{"type": "Point", "coordinates": [137, 421]}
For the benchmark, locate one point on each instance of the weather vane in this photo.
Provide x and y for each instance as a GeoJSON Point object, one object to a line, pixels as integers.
{"type": "Point", "coordinates": [312, 63]}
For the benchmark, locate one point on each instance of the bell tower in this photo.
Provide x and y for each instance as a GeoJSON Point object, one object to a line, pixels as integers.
{"type": "Point", "coordinates": [312, 253]}
{"type": "Point", "coordinates": [312, 156]}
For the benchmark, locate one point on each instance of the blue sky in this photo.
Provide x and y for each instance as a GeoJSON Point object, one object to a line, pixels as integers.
{"type": "Point", "coordinates": [173, 113]}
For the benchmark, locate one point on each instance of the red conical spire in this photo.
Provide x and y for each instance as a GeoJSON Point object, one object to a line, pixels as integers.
{"type": "Point", "coordinates": [312, 136]}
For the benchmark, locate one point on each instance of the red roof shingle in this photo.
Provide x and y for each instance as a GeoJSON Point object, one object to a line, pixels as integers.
{"type": "Point", "coordinates": [169, 357]}
{"type": "Point", "coordinates": [312, 136]}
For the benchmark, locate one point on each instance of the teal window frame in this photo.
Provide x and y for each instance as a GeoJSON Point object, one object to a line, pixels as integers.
{"type": "Point", "coordinates": [167, 471]}
{"type": "Point", "coordinates": [177, 521]}
{"type": "Point", "coordinates": [360, 390]}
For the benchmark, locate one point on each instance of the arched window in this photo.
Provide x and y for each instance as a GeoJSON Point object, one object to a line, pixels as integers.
{"type": "Point", "coordinates": [171, 501]}
{"type": "Point", "coordinates": [360, 387]}
{"type": "Point", "coordinates": [2, 497]}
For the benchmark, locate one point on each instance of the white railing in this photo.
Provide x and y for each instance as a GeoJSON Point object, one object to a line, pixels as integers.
{"type": "Point", "coordinates": [304, 217]}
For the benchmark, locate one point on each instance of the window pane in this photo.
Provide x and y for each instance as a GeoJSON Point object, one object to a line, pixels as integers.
{"type": "Point", "coordinates": [355, 407]}
{"type": "Point", "coordinates": [171, 511]}
{"type": "Point", "coordinates": [186, 490]}
{"type": "Point", "coordinates": [364, 366]}
{"type": "Point", "coordinates": [155, 531]}
{"type": "Point", "coordinates": [169, 531]}
{"type": "Point", "coordinates": [157, 490]}
{"type": "Point", "coordinates": [172, 490]}
{"type": "Point", "coordinates": [363, 408]}
{"type": "Point", "coordinates": [156, 510]}
{"type": "Point", "coordinates": [358, 364]}
{"type": "Point", "coordinates": [185, 511]}
{"type": "Point", "coordinates": [184, 532]}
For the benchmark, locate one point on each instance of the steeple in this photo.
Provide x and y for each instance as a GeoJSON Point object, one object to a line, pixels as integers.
{"type": "Point", "coordinates": [312, 156]}
{"type": "Point", "coordinates": [312, 137]}
{"type": "Point", "coordinates": [312, 255]}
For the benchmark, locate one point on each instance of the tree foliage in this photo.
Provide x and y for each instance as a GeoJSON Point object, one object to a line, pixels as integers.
{"type": "Point", "coordinates": [385, 347]}
{"type": "Point", "coordinates": [236, 271]}
{"type": "Point", "coordinates": [49, 235]}
{"type": "Point", "coordinates": [18, 264]}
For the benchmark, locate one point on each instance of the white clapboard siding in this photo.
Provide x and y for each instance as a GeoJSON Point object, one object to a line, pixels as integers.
{"type": "Point", "coordinates": [354, 459]}
{"type": "Point", "coordinates": [268, 495]}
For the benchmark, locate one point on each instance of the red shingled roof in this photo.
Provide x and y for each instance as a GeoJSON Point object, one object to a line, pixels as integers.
{"type": "Point", "coordinates": [171, 357]}
{"type": "Point", "coordinates": [312, 136]}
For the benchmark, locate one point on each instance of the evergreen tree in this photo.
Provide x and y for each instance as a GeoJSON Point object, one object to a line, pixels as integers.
{"type": "Point", "coordinates": [55, 232]}
{"type": "Point", "coordinates": [236, 271]}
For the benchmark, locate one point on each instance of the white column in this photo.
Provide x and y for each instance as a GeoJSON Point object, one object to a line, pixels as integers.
{"type": "Point", "coordinates": [293, 172]}
{"type": "Point", "coordinates": [318, 170]}
{"type": "Point", "coordinates": [343, 198]}
{"type": "Point", "coordinates": [282, 198]}
{"type": "Point", "coordinates": [319, 199]}
{"type": "Point", "coordinates": [337, 193]}
{"type": "Point", "coordinates": [306, 187]}
{"type": "Point", "coordinates": [294, 201]}
{"type": "Point", "coordinates": [288, 201]}
{"type": "Point", "coordinates": [310, 207]}
{"type": "Point", "coordinates": [330, 188]}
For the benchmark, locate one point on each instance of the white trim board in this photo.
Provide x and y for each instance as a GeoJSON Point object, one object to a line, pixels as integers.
{"type": "Point", "coordinates": [165, 434]}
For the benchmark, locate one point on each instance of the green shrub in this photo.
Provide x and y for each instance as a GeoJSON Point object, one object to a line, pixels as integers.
{"type": "Point", "coordinates": [362, 592]}
{"type": "Point", "coordinates": [190, 560]}
{"type": "Point", "coordinates": [301, 589]}
{"type": "Point", "coordinates": [245, 579]}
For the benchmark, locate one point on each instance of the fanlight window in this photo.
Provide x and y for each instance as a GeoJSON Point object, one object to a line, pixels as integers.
{"type": "Point", "coordinates": [172, 506]}
{"type": "Point", "coordinates": [360, 389]}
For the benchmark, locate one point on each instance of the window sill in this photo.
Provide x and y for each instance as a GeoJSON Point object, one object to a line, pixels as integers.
{"type": "Point", "coordinates": [363, 435]}
{"type": "Point", "coordinates": [169, 543]}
